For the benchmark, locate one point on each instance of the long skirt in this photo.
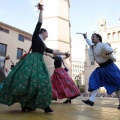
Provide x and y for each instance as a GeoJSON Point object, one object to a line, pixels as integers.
{"type": "Point", "coordinates": [108, 76]}
{"type": "Point", "coordinates": [28, 83]}
{"type": "Point", "coordinates": [62, 85]}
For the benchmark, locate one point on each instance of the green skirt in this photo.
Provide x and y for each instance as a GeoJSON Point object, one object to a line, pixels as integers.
{"type": "Point", "coordinates": [28, 83]}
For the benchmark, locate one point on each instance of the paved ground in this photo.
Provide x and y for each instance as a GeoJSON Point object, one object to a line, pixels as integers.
{"type": "Point", "coordinates": [104, 109]}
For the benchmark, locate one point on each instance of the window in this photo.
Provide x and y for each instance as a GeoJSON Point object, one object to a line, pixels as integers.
{"type": "Point", "coordinates": [19, 53]}
{"type": "Point", "coordinates": [73, 66]}
{"type": "Point", "coordinates": [109, 36]}
{"type": "Point", "coordinates": [21, 37]}
{"type": "Point", "coordinates": [27, 38]}
{"type": "Point", "coordinates": [4, 30]}
{"type": "Point", "coordinates": [119, 34]}
{"type": "Point", "coordinates": [115, 35]}
{"type": "Point", "coordinates": [3, 49]}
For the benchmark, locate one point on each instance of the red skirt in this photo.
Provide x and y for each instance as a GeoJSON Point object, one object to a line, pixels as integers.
{"type": "Point", "coordinates": [62, 85]}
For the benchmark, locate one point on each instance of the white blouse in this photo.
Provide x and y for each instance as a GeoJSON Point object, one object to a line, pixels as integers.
{"type": "Point", "coordinates": [98, 50]}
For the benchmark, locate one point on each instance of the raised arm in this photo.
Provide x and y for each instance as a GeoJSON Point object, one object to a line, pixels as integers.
{"type": "Point", "coordinates": [40, 7]}
{"type": "Point", "coordinates": [39, 24]}
{"type": "Point", "coordinates": [89, 42]}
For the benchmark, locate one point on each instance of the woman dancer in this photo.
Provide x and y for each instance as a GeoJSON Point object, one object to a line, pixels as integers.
{"type": "Point", "coordinates": [62, 84]}
{"type": "Point", "coordinates": [29, 83]}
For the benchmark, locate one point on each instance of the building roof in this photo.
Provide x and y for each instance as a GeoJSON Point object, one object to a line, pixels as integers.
{"type": "Point", "coordinates": [14, 28]}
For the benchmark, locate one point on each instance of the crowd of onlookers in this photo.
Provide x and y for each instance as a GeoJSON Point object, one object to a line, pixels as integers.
{"type": "Point", "coordinates": [113, 95]}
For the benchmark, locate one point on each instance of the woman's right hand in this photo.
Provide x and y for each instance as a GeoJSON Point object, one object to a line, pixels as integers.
{"type": "Point", "coordinates": [40, 7]}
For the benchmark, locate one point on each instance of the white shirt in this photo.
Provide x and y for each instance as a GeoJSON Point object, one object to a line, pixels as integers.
{"type": "Point", "coordinates": [40, 36]}
{"type": "Point", "coordinates": [98, 50]}
{"type": "Point", "coordinates": [2, 62]}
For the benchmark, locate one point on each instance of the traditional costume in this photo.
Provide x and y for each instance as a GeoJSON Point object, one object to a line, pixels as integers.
{"type": "Point", "coordinates": [107, 74]}
{"type": "Point", "coordinates": [29, 82]}
{"type": "Point", "coordinates": [62, 84]}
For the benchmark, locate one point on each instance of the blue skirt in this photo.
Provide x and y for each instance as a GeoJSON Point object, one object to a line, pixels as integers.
{"type": "Point", "coordinates": [108, 76]}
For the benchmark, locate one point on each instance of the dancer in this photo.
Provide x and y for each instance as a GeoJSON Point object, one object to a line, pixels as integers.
{"type": "Point", "coordinates": [12, 65]}
{"type": "Point", "coordinates": [2, 74]}
{"type": "Point", "coordinates": [62, 84]}
{"type": "Point", "coordinates": [2, 62]}
{"type": "Point", "coordinates": [107, 74]}
{"type": "Point", "coordinates": [29, 83]}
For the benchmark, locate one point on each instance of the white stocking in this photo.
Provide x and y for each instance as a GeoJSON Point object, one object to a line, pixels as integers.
{"type": "Point", "coordinates": [93, 95]}
{"type": "Point", "coordinates": [118, 95]}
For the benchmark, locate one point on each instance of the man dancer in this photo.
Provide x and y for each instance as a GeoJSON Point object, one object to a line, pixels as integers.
{"type": "Point", "coordinates": [107, 74]}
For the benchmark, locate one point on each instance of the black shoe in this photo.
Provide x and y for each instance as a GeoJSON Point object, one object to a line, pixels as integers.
{"type": "Point", "coordinates": [67, 101]}
{"type": "Point", "coordinates": [27, 109]}
{"type": "Point", "coordinates": [30, 109]}
{"type": "Point", "coordinates": [119, 107]}
{"type": "Point", "coordinates": [48, 109]}
{"type": "Point", "coordinates": [88, 102]}
{"type": "Point", "coordinates": [54, 99]}
{"type": "Point", "coordinates": [24, 109]}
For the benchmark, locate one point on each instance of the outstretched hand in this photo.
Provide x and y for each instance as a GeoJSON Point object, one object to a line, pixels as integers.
{"type": "Point", "coordinates": [67, 54]}
{"type": "Point", "coordinates": [84, 34]}
{"type": "Point", "coordinates": [7, 58]}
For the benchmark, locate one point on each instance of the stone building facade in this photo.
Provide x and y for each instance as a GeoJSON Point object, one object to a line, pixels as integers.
{"type": "Point", "coordinates": [13, 42]}
{"type": "Point", "coordinates": [57, 22]}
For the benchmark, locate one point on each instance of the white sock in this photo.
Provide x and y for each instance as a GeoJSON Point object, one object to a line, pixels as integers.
{"type": "Point", "coordinates": [93, 95]}
{"type": "Point", "coordinates": [118, 95]}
